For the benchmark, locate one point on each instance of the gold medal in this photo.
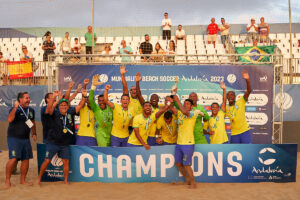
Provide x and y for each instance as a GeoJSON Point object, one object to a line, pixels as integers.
{"type": "Point", "coordinates": [65, 130]}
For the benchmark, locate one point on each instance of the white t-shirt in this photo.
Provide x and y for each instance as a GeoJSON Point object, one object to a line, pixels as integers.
{"type": "Point", "coordinates": [180, 34]}
{"type": "Point", "coordinates": [28, 55]}
{"type": "Point", "coordinates": [65, 44]}
{"type": "Point", "coordinates": [224, 32]}
{"type": "Point", "coordinates": [167, 27]}
{"type": "Point", "coordinates": [252, 29]}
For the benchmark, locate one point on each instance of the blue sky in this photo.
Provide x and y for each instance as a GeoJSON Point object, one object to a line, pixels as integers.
{"type": "Point", "coordinates": [116, 13]}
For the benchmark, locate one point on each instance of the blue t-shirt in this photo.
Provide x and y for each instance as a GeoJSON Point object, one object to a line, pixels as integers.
{"type": "Point", "coordinates": [56, 127]}
{"type": "Point", "coordinates": [126, 58]}
{"type": "Point", "coordinates": [18, 128]}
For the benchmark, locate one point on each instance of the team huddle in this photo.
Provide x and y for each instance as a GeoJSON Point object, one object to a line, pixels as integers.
{"type": "Point", "coordinates": [134, 122]}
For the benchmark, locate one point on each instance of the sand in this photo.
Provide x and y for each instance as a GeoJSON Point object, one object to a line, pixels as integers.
{"type": "Point", "coordinates": [132, 191]}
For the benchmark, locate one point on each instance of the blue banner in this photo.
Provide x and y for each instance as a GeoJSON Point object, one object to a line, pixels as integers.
{"type": "Point", "coordinates": [211, 163]}
{"type": "Point", "coordinates": [203, 79]}
{"type": "Point", "coordinates": [290, 95]}
{"type": "Point", "coordinates": [8, 95]}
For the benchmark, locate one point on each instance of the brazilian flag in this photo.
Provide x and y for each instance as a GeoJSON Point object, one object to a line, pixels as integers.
{"type": "Point", "coordinates": [261, 50]}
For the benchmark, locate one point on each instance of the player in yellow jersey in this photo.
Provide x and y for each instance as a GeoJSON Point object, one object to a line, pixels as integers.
{"type": "Point", "coordinates": [134, 101]}
{"type": "Point", "coordinates": [122, 115]}
{"type": "Point", "coordinates": [142, 124]}
{"type": "Point", "coordinates": [167, 129]}
{"type": "Point", "coordinates": [184, 149]}
{"type": "Point", "coordinates": [240, 129]}
{"type": "Point", "coordinates": [216, 123]}
{"type": "Point", "coordinates": [154, 99]}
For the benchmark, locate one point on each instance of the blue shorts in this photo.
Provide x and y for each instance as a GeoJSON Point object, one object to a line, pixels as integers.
{"type": "Point", "coordinates": [133, 145]}
{"type": "Point", "coordinates": [19, 148]}
{"type": "Point", "coordinates": [86, 141]}
{"type": "Point", "coordinates": [62, 151]}
{"type": "Point", "coordinates": [118, 142]}
{"type": "Point", "coordinates": [184, 154]}
{"type": "Point", "coordinates": [152, 141]}
{"type": "Point", "coordinates": [243, 138]}
{"type": "Point", "coordinates": [166, 143]}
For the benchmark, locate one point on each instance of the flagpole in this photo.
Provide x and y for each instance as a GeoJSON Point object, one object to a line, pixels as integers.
{"type": "Point", "coordinates": [93, 38]}
{"type": "Point", "coordinates": [291, 45]}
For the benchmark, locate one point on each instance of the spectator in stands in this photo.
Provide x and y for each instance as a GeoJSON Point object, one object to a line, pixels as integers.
{"type": "Point", "coordinates": [263, 30]}
{"type": "Point", "coordinates": [125, 50]}
{"type": "Point", "coordinates": [166, 24]}
{"type": "Point", "coordinates": [252, 31]}
{"type": "Point", "coordinates": [3, 69]}
{"type": "Point", "coordinates": [48, 47]}
{"type": "Point", "coordinates": [255, 42]}
{"type": "Point", "coordinates": [45, 36]}
{"type": "Point", "coordinates": [146, 47]}
{"type": "Point", "coordinates": [65, 44]}
{"type": "Point", "coordinates": [26, 55]}
{"type": "Point", "coordinates": [76, 47]}
{"type": "Point", "coordinates": [171, 50]}
{"type": "Point", "coordinates": [106, 52]}
{"type": "Point", "coordinates": [212, 31]}
{"type": "Point", "coordinates": [224, 28]}
{"type": "Point", "coordinates": [157, 50]}
{"type": "Point", "coordinates": [180, 34]}
{"type": "Point", "coordinates": [89, 41]}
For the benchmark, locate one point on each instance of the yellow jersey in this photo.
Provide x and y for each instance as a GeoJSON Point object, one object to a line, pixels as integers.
{"type": "Point", "coordinates": [237, 116]}
{"type": "Point", "coordinates": [143, 124]}
{"type": "Point", "coordinates": [217, 124]}
{"type": "Point", "coordinates": [168, 131]}
{"type": "Point", "coordinates": [186, 128]}
{"type": "Point", "coordinates": [153, 126]}
{"type": "Point", "coordinates": [87, 122]}
{"type": "Point", "coordinates": [121, 119]}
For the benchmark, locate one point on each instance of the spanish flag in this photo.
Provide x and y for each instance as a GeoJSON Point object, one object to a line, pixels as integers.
{"type": "Point", "coordinates": [261, 50]}
{"type": "Point", "coordinates": [19, 69]}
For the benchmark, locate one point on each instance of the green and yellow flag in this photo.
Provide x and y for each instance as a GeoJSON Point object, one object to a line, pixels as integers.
{"type": "Point", "coordinates": [261, 50]}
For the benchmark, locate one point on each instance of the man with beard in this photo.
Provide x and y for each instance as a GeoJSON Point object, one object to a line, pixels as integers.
{"type": "Point", "coordinates": [216, 123]}
{"type": "Point", "coordinates": [122, 116]}
{"type": "Point", "coordinates": [61, 133]}
{"type": "Point", "coordinates": [198, 130]}
{"type": "Point", "coordinates": [21, 123]}
{"type": "Point", "coordinates": [142, 124]}
{"type": "Point", "coordinates": [240, 129]}
{"type": "Point", "coordinates": [86, 134]}
{"type": "Point", "coordinates": [154, 99]}
{"type": "Point", "coordinates": [103, 115]}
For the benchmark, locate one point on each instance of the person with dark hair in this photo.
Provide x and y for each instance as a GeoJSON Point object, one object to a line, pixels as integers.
{"type": "Point", "coordinates": [157, 50]}
{"type": "Point", "coordinates": [240, 129]}
{"type": "Point", "coordinates": [141, 125]}
{"type": "Point", "coordinates": [45, 124]}
{"type": "Point", "coordinates": [48, 47]}
{"type": "Point", "coordinates": [212, 31]}
{"type": "Point", "coordinates": [216, 123]}
{"type": "Point", "coordinates": [122, 116]}
{"type": "Point", "coordinates": [146, 48]}
{"type": "Point", "coordinates": [103, 115]}
{"type": "Point", "coordinates": [166, 25]}
{"type": "Point", "coordinates": [45, 36]}
{"type": "Point", "coordinates": [180, 34]}
{"type": "Point", "coordinates": [61, 133]}
{"type": "Point", "coordinates": [21, 123]}
{"type": "Point", "coordinates": [171, 50]}
{"type": "Point", "coordinates": [186, 120]}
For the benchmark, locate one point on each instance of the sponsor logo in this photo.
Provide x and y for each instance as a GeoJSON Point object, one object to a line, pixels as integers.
{"type": "Point", "coordinates": [256, 99]}
{"type": "Point", "coordinates": [202, 78]}
{"type": "Point", "coordinates": [67, 79]}
{"type": "Point", "coordinates": [267, 161]}
{"type": "Point", "coordinates": [56, 161]}
{"type": "Point", "coordinates": [255, 118]}
{"type": "Point", "coordinates": [263, 79]}
{"type": "Point", "coordinates": [206, 98]}
{"type": "Point", "coordinates": [2, 104]}
{"type": "Point", "coordinates": [255, 133]}
{"type": "Point", "coordinates": [43, 103]}
{"type": "Point", "coordinates": [32, 104]}
{"type": "Point", "coordinates": [103, 78]}
{"type": "Point", "coordinates": [287, 101]}
{"type": "Point", "coordinates": [250, 109]}
{"type": "Point", "coordinates": [231, 78]}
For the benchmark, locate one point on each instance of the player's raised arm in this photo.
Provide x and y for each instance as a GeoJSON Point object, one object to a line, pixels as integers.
{"type": "Point", "coordinates": [181, 108]}
{"type": "Point", "coordinates": [138, 78]}
{"type": "Point", "coordinates": [245, 75]}
{"type": "Point", "coordinates": [124, 83]}
{"type": "Point", "coordinates": [223, 87]}
{"type": "Point", "coordinates": [106, 100]}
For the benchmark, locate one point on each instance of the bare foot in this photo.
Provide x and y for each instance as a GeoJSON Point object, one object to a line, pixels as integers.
{"type": "Point", "coordinates": [66, 182]}
{"type": "Point", "coordinates": [37, 183]}
{"type": "Point", "coordinates": [193, 185]}
{"type": "Point", "coordinates": [178, 183]}
{"type": "Point", "coordinates": [26, 183]}
{"type": "Point", "coordinates": [7, 185]}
